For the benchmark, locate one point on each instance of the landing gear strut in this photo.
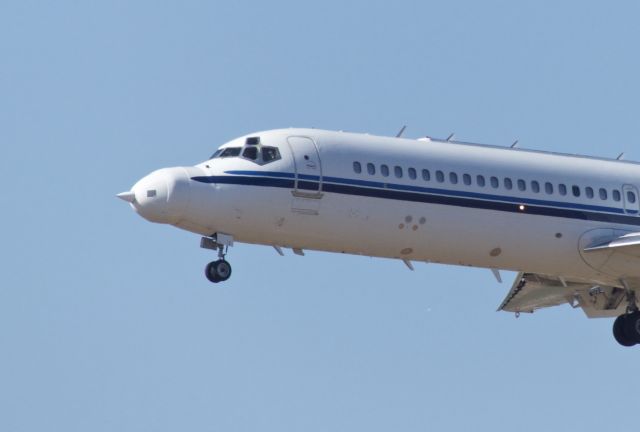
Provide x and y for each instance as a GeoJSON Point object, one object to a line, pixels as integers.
{"type": "Point", "coordinates": [219, 270]}
{"type": "Point", "coordinates": [626, 328]}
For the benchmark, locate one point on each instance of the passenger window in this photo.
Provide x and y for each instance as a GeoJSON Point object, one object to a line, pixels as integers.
{"type": "Point", "coordinates": [357, 167]}
{"type": "Point", "coordinates": [371, 168]}
{"type": "Point", "coordinates": [494, 182]}
{"type": "Point", "coordinates": [250, 153]}
{"type": "Point", "coordinates": [426, 175]}
{"type": "Point", "coordinates": [508, 184]}
{"type": "Point", "coordinates": [466, 179]}
{"type": "Point", "coordinates": [398, 171]}
{"type": "Point", "coordinates": [615, 195]}
{"type": "Point", "coordinates": [589, 192]}
{"type": "Point", "coordinates": [631, 197]}
{"type": "Point", "coordinates": [562, 189]}
{"type": "Point", "coordinates": [439, 176]}
{"type": "Point", "coordinates": [548, 188]}
{"type": "Point", "coordinates": [384, 170]}
{"type": "Point", "coordinates": [230, 152]}
{"type": "Point", "coordinates": [535, 186]}
{"type": "Point", "coordinates": [480, 180]}
{"type": "Point", "coordinates": [575, 190]}
{"type": "Point", "coordinates": [603, 193]}
{"type": "Point", "coordinates": [522, 185]}
{"type": "Point", "coordinates": [412, 173]}
{"type": "Point", "coordinates": [453, 178]}
{"type": "Point", "coordinates": [269, 154]}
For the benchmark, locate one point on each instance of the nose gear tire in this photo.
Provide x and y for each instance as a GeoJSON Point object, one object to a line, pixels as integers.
{"type": "Point", "coordinates": [218, 271]}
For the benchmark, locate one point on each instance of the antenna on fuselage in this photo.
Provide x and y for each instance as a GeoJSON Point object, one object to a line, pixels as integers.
{"type": "Point", "coordinates": [620, 156]}
{"type": "Point", "coordinates": [399, 134]}
{"type": "Point", "coordinates": [515, 144]}
{"type": "Point", "coordinates": [450, 136]}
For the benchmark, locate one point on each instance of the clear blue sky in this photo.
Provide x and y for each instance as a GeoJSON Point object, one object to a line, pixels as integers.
{"type": "Point", "coordinates": [106, 320]}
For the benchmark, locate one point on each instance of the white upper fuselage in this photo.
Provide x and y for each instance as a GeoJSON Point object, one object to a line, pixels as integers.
{"type": "Point", "coordinates": [416, 200]}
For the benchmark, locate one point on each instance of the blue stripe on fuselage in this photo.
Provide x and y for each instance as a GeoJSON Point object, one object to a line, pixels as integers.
{"type": "Point", "coordinates": [427, 195]}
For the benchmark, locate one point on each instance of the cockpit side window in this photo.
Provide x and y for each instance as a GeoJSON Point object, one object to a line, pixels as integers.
{"type": "Point", "coordinates": [250, 153]}
{"type": "Point", "coordinates": [270, 154]}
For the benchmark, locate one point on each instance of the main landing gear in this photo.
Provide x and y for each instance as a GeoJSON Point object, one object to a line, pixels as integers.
{"type": "Point", "coordinates": [626, 328]}
{"type": "Point", "coordinates": [219, 270]}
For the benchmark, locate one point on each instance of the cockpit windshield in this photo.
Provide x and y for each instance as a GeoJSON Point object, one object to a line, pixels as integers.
{"type": "Point", "coordinates": [230, 152]}
{"type": "Point", "coordinates": [252, 150]}
{"type": "Point", "coordinates": [215, 155]}
{"type": "Point", "coordinates": [250, 153]}
{"type": "Point", "coordinates": [227, 152]}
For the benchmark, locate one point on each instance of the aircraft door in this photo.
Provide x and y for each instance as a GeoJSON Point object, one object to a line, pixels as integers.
{"type": "Point", "coordinates": [306, 160]}
{"type": "Point", "coordinates": [631, 199]}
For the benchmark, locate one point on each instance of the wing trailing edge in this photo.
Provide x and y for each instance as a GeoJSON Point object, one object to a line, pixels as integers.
{"type": "Point", "coordinates": [531, 291]}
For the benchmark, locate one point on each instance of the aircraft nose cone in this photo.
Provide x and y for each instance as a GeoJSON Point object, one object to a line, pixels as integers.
{"type": "Point", "coordinates": [127, 196]}
{"type": "Point", "coordinates": [163, 196]}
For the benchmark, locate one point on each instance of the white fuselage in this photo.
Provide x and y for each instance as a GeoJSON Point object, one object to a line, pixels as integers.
{"type": "Point", "coordinates": [416, 200]}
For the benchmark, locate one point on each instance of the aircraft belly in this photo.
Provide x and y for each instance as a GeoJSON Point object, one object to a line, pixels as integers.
{"type": "Point", "coordinates": [397, 229]}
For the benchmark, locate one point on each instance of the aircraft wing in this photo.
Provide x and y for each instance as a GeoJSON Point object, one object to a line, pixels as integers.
{"type": "Point", "coordinates": [628, 244]}
{"type": "Point", "coordinates": [531, 291]}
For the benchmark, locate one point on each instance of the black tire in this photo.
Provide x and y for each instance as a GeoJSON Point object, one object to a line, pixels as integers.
{"type": "Point", "coordinates": [632, 326]}
{"type": "Point", "coordinates": [210, 272]}
{"type": "Point", "coordinates": [619, 332]}
{"type": "Point", "coordinates": [223, 270]}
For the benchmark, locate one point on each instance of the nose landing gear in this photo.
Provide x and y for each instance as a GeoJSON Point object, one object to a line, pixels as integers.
{"type": "Point", "coordinates": [219, 270]}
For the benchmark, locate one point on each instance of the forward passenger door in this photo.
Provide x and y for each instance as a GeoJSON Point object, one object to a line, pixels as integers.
{"type": "Point", "coordinates": [306, 159]}
{"type": "Point", "coordinates": [307, 192]}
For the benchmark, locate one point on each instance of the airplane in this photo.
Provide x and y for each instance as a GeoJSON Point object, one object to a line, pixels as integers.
{"type": "Point", "coordinates": [569, 225]}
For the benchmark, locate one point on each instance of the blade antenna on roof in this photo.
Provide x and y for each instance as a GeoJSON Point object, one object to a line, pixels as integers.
{"type": "Point", "coordinates": [399, 134]}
